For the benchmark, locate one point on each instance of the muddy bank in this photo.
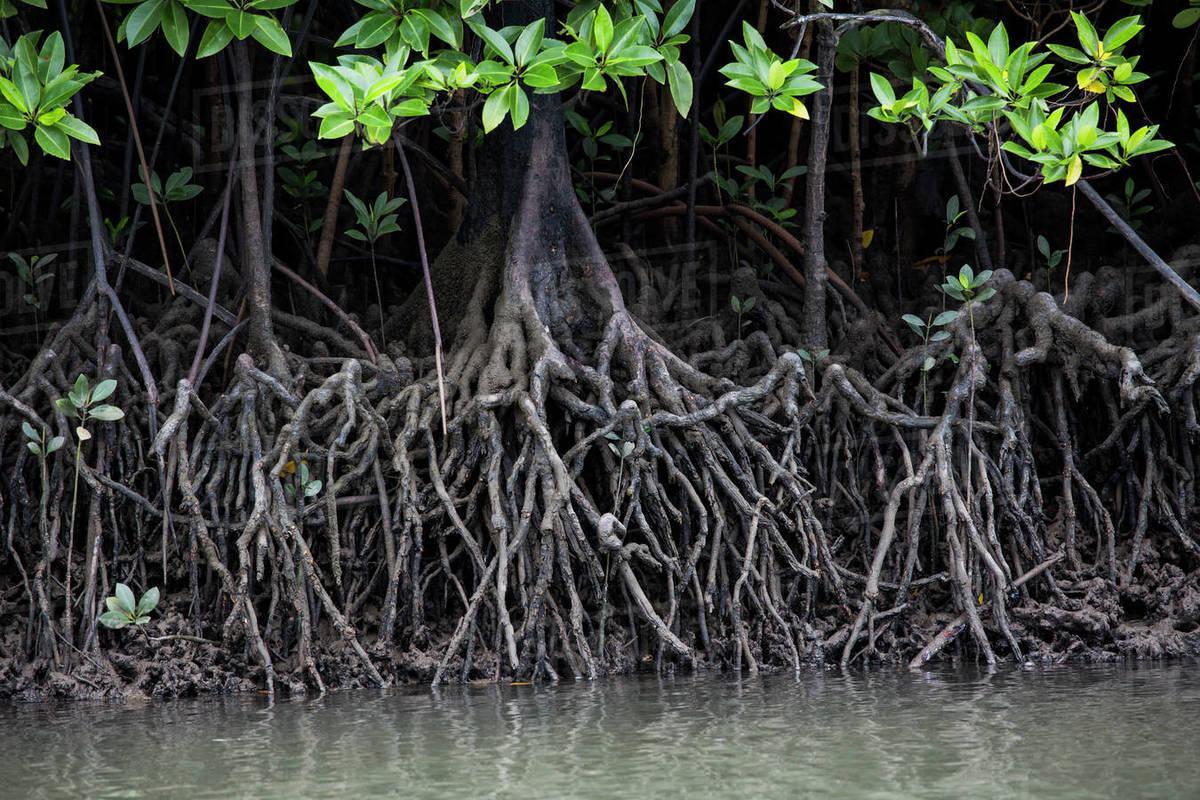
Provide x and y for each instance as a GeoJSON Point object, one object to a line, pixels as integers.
{"type": "Point", "coordinates": [1090, 620]}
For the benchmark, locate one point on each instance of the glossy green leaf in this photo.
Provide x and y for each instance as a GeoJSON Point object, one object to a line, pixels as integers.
{"type": "Point", "coordinates": [217, 36]}
{"type": "Point", "coordinates": [143, 21]}
{"type": "Point", "coordinates": [270, 34]}
{"type": "Point", "coordinates": [125, 598]}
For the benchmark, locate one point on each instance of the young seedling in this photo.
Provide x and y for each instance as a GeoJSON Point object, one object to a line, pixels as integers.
{"type": "Point", "coordinates": [30, 274]}
{"type": "Point", "coordinates": [177, 188]}
{"type": "Point", "coordinates": [374, 222]}
{"type": "Point", "coordinates": [302, 485]}
{"type": "Point", "coordinates": [969, 288]}
{"type": "Point", "coordinates": [726, 129]}
{"type": "Point", "coordinates": [740, 307]}
{"type": "Point", "coordinates": [301, 183]}
{"type": "Point", "coordinates": [1051, 258]}
{"type": "Point", "coordinates": [621, 449]}
{"type": "Point", "coordinates": [38, 444]}
{"type": "Point", "coordinates": [117, 231]}
{"type": "Point", "coordinates": [84, 404]}
{"type": "Point", "coordinates": [1130, 204]}
{"type": "Point", "coordinates": [123, 611]}
{"type": "Point", "coordinates": [776, 205]}
{"type": "Point", "coordinates": [926, 329]}
{"type": "Point", "coordinates": [954, 231]}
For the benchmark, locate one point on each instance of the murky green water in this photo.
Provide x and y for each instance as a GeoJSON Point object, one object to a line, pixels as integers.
{"type": "Point", "coordinates": [1039, 733]}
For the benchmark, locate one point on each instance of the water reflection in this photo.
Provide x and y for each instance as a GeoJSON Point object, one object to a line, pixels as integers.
{"type": "Point", "coordinates": [1046, 732]}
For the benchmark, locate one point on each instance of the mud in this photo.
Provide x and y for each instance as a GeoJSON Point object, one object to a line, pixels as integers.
{"type": "Point", "coordinates": [1095, 620]}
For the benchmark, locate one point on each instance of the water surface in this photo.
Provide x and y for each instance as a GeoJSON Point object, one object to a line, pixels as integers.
{"type": "Point", "coordinates": [1064, 732]}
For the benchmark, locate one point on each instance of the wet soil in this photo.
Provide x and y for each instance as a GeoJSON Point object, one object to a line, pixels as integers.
{"type": "Point", "coordinates": [1093, 620]}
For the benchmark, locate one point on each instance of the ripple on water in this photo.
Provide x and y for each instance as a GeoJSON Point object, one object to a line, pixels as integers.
{"type": "Point", "coordinates": [1043, 732]}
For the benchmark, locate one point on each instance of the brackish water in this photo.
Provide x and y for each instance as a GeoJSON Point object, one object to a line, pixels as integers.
{"type": "Point", "coordinates": [1038, 732]}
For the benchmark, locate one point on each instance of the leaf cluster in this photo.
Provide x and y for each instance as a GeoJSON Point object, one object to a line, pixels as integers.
{"type": "Point", "coordinates": [177, 188]}
{"type": "Point", "coordinates": [35, 87]}
{"type": "Point", "coordinates": [227, 20]}
{"type": "Point", "coordinates": [123, 611]}
{"type": "Point", "coordinates": [768, 79]}
{"type": "Point", "coordinates": [375, 220]}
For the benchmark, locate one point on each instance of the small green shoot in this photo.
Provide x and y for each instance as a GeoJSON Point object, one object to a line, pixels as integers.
{"type": "Point", "coordinates": [927, 330]}
{"type": "Point", "coordinates": [123, 611]}
{"type": "Point", "coordinates": [302, 485]}
{"type": "Point", "coordinates": [38, 444]}
{"type": "Point", "coordinates": [740, 307]}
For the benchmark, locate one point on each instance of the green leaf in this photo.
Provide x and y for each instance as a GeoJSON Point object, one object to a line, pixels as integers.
{"type": "Point", "coordinates": [945, 318]}
{"type": "Point", "coordinates": [11, 119]}
{"type": "Point", "coordinates": [148, 602]}
{"type": "Point", "coordinates": [529, 41]}
{"type": "Point", "coordinates": [114, 619]}
{"type": "Point", "coordinates": [175, 27]}
{"type": "Point", "coordinates": [518, 107]}
{"type": "Point", "coordinates": [270, 34]}
{"type": "Point", "coordinates": [54, 142]}
{"type": "Point", "coordinates": [1086, 33]}
{"type": "Point", "coordinates": [439, 26]}
{"type": "Point", "coordinates": [602, 29]}
{"type": "Point", "coordinates": [17, 142]}
{"type": "Point", "coordinates": [360, 208]}
{"type": "Point", "coordinates": [125, 598]}
{"type": "Point", "coordinates": [77, 129]}
{"type": "Point", "coordinates": [79, 392]}
{"type": "Point", "coordinates": [142, 21]}
{"type": "Point", "coordinates": [216, 36]}
{"type": "Point", "coordinates": [371, 31]}
{"type": "Point", "coordinates": [104, 390]}
{"type": "Point", "coordinates": [677, 18]}
{"type": "Point", "coordinates": [66, 407]}
{"type": "Point", "coordinates": [1121, 32]}
{"type": "Point", "coordinates": [106, 413]}
{"type": "Point", "coordinates": [883, 90]}
{"type": "Point", "coordinates": [493, 40]}
{"type": "Point", "coordinates": [333, 84]}
{"type": "Point", "coordinates": [495, 108]}
{"type": "Point", "coordinates": [1186, 18]}
{"type": "Point", "coordinates": [241, 22]}
{"type": "Point", "coordinates": [916, 322]}
{"type": "Point", "coordinates": [30, 432]}
{"type": "Point", "coordinates": [374, 116]}
{"type": "Point", "coordinates": [13, 95]}
{"type": "Point", "coordinates": [216, 9]}
{"type": "Point", "coordinates": [997, 46]}
{"type": "Point", "coordinates": [680, 81]}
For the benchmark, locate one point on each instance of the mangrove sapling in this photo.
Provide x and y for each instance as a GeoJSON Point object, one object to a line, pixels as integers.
{"type": "Point", "coordinates": [591, 141]}
{"type": "Point", "coordinates": [177, 188]}
{"type": "Point", "coordinates": [740, 307]}
{"type": "Point", "coordinates": [953, 230]}
{"type": "Point", "coordinates": [1050, 258]}
{"type": "Point", "coordinates": [1130, 204]}
{"type": "Point", "coordinates": [925, 328]}
{"type": "Point", "coordinates": [30, 274]}
{"type": "Point", "coordinates": [123, 611]}
{"type": "Point", "coordinates": [969, 288]}
{"type": "Point", "coordinates": [374, 222]}
{"type": "Point", "coordinates": [84, 404]}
